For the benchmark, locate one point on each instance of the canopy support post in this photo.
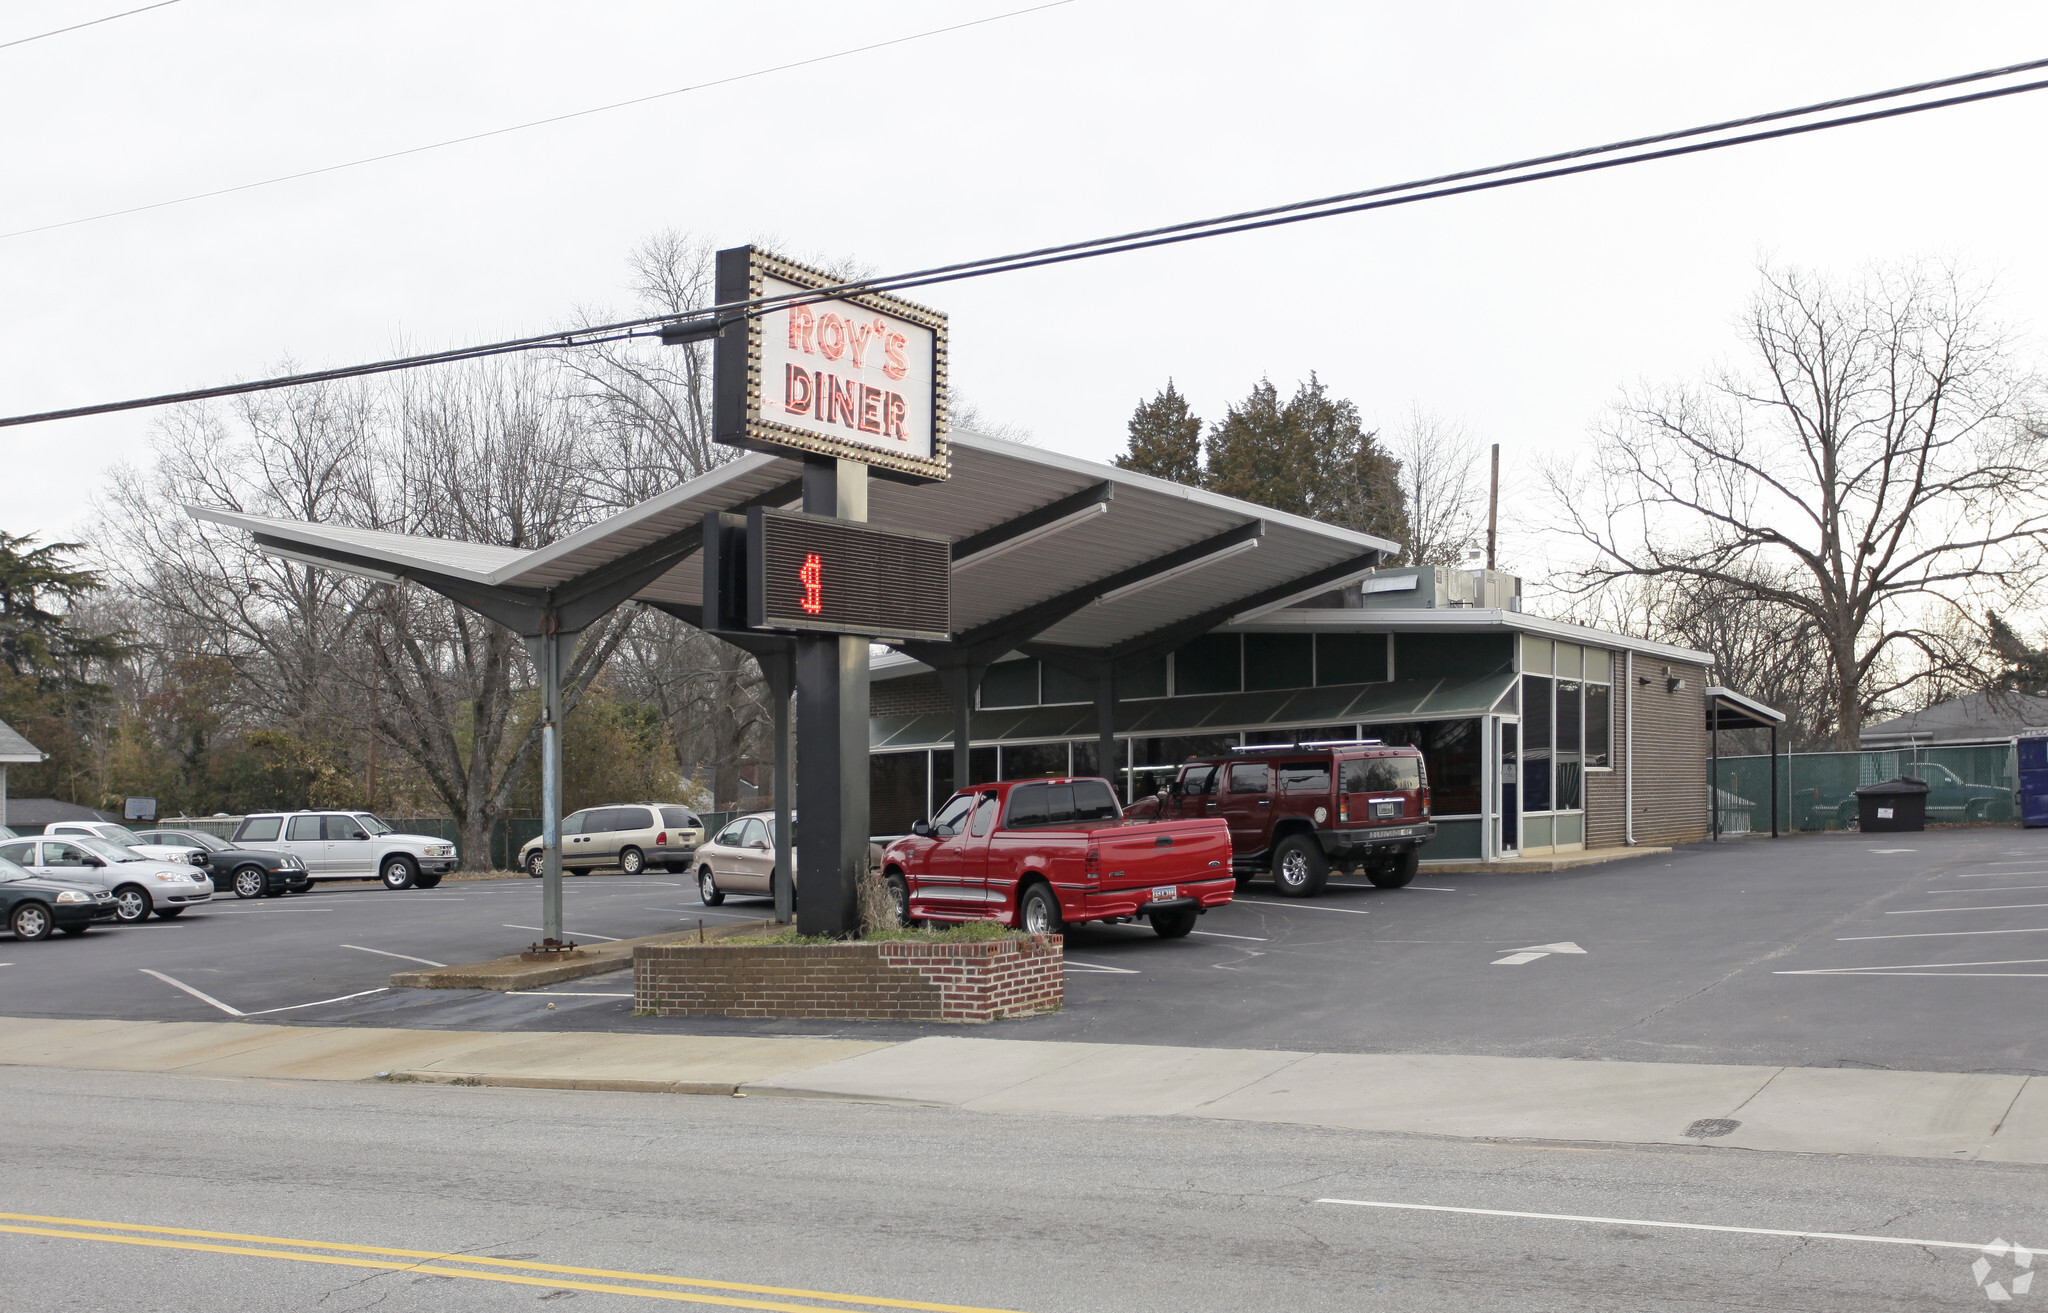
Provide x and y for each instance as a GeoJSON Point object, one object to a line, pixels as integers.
{"type": "Point", "coordinates": [548, 649]}
{"type": "Point", "coordinates": [1105, 734]}
{"type": "Point", "coordinates": [1774, 781]}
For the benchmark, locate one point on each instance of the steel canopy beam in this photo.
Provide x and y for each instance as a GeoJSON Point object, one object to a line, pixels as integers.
{"type": "Point", "coordinates": [1030, 522]}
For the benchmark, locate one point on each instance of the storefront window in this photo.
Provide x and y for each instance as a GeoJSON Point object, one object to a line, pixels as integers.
{"type": "Point", "coordinates": [1213, 663]}
{"type": "Point", "coordinates": [1599, 726]}
{"type": "Point", "coordinates": [1022, 761]}
{"type": "Point", "coordinates": [896, 791]}
{"type": "Point", "coordinates": [1536, 742]}
{"type": "Point", "coordinates": [1450, 758]}
{"type": "Point", "coordinates": [1159, 760]}
{"type": "Point", "coordinates": [1570, 705]}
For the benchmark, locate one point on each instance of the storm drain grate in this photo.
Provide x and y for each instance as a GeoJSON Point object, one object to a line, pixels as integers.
{"type": "Point", "coordinates": [1707, 1128]}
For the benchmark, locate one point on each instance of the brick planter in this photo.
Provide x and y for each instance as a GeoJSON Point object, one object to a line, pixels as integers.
{"type": "Point", "coordinates": [885, 981]}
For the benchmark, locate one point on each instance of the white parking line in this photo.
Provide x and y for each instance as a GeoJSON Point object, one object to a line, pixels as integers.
{"type": "Point", "coordinates": [1996, 907]}
{"type": "Point", "coordinates": [609, 939]}
{"type": "Point", "coordinates": [2002, 889]}
{"type": "Point", "coordinates": [1931, 969]}
{"type": "Point", "coordinates": [1306, 907]}
{"type": "Point", "coordinates": [256, 911]}
{"type": "Point", "coordinates": [1946, 934]}
{"type": "Point", "coordinates": [319, 1003]}
{"type": "Point", "coordinates": [403, 957]}
{"type": "Point", "coordinates": [1256, 939]}
{"type": "Point", "coordinates": [1097, 966]}
{"type": "Point", "coordinates": [1675, 1226]}
{"type": "Point", "coordinates": [199, 994]}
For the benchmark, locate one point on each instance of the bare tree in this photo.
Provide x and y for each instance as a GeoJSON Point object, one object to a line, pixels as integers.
{"type": "Point", "coordinates": [1881, 460]}
{"type": "Point", "coordinates": [1445, 489]}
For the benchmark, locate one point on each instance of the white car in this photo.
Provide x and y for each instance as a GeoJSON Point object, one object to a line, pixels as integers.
{"type": "Point", "coordinates": [121, 834]}
{"type": "Point", "coordinates": [351, 846]}
{"type": "Point", "coordinates": [140, 885]}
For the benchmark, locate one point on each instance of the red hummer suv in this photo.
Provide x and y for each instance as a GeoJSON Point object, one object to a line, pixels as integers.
{"type": "Point", "coordinates": [1300, 809]}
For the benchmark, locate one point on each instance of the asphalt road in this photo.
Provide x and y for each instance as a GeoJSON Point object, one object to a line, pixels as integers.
{"type": "Point", "coordinates": [973, 1212]}
{"type": "Point", "coordinates": [1907, 951]}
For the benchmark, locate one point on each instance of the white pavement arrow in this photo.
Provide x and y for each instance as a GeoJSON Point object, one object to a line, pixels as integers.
{"type": "Point", "coordinates": [1520, 956]}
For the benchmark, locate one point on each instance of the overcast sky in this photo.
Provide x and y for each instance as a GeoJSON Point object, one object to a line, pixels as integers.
{"type": "Point", "coordinates": [1518, 313]}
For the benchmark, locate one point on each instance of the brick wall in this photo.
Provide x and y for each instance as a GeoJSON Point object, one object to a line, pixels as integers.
{"type": "Point", "coordinates": [890, 981]}
{"type": "Point", "coordinates": [1671, 757]}
{"type": "Point", "coordinates": [913, 695]}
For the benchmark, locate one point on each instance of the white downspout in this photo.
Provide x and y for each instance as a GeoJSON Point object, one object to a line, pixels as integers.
{"type": "Point", "coordinates": [1628, 734]}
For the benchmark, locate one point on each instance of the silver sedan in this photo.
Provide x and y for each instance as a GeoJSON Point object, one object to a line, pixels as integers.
{"type": "Point", "coordinates": [140, 885]}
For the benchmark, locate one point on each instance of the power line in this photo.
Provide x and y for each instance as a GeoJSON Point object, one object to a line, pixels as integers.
{"type": "Point", "coordinates": [704, 323]}
{"type": "Point", "coordinates": [95, 22]}
{"type": "Point", "coordinates": [531, 123]}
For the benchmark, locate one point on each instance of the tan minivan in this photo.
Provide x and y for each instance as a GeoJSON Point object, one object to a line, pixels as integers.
{"type": "Point", "coordinates": [661, 835]}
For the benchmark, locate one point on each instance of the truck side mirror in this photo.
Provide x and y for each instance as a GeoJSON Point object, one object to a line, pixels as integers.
{"type": "Point", "coordinates": [922, 829]}
{"type": "Point", "coordinates": [1174, 788]}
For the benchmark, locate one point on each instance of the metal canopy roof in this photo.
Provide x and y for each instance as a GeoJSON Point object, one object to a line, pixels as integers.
{"type": "Point", "coordinates": [1067, 547]}
{"type": "Point", "coordinates": [1399, 700]}
{"type": "Point", "coordinates": [1727, 709]}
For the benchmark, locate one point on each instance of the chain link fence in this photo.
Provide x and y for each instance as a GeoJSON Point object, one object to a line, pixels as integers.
{"type": "Point", "coordinates": [1817, 790]}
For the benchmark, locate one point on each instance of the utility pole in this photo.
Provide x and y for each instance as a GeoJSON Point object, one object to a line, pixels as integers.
{"type": "Point", "coordinates": [1492, 505]}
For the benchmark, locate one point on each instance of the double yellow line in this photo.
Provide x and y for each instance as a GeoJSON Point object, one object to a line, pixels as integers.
{"type": "Point", "coordinates": [429, 1262]}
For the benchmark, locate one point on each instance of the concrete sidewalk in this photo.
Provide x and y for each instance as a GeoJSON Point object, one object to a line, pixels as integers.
{"type": "Point", "coordinates": [1800, 1109]}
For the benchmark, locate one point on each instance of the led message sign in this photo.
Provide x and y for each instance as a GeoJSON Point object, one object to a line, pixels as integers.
{"type": "Point", "coordinates": [816, 574]}
{"type": "Point", "coordinates": [860, 377]}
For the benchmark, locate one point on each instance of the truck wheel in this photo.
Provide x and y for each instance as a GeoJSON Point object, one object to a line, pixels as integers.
{"type": "Point", "coordinates": [1039, 912]}
{"type": "Point", "coordinates": [399, 873]}
{"type": "Point", "coordinates": [250, 882]}
{"type": "Point", "coordinates": [1299, 868]}
{"type": "Point", "coordinates": [1174, 925]}
{"type": "Point", "coordinates": [1397, 873]}
{"type": "Point", "coordinates": [632, 861]}
{"type": "Point", "coordinates": [708, 891]}
{"type": "Point", "coordinates": [899, 894]}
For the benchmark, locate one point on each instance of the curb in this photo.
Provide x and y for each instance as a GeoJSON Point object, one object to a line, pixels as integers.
{"type": "Point", "coordinates": [618, 1085]}
{"type": "Point", "coordinates": [1516, 865]}
{"type": "Point", "coordinates": [513, 972]}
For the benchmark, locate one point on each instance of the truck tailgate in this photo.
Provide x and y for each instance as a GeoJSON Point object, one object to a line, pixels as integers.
{"type": "Point", "coordinates": [1162, 852]}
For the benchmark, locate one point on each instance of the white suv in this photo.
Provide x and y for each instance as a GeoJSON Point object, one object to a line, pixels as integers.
{"type": "Point", "coordinates": [351, 846]}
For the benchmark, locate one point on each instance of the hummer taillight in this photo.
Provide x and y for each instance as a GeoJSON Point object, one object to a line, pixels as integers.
{"type": "Point", "coordinates": [1344, 808]}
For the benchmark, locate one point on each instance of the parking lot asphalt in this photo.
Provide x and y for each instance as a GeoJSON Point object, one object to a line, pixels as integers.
{"type": "Point", "coordinates": [1908, 951]}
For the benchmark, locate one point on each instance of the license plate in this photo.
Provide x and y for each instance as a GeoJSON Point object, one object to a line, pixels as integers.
{"type": "Point", "coordinates": [1386, 809]}
{"type": "Point", "coordinates": [1163, 892]}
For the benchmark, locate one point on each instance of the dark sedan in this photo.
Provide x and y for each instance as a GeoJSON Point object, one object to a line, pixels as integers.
{"type": "Point", "coordinates": [250, 872]}
{"type": "Point", "coordinates": [32, 906]}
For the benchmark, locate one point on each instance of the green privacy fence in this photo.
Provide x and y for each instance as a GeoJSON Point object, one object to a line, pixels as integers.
{"type": "Point", "coordinates": [1817, 790]}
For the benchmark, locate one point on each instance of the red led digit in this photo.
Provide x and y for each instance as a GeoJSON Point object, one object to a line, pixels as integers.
{"type": "Point", "coordinates": [812, 576]}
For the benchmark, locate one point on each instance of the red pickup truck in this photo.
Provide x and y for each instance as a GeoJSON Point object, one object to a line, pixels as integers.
{"type": "Point", "coordinates": [1047, 853]}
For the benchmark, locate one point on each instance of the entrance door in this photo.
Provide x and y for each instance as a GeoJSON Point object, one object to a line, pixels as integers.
{"type": "Point", "coordinates": [1510, 776]}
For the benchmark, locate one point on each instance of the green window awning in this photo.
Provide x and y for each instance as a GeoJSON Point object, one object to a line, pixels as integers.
{"type": "Point", "coordinates": [1405, 699]}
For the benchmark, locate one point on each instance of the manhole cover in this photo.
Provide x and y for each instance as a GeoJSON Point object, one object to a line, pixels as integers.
{"type": "Point", "coordinates": [1708, 1128]}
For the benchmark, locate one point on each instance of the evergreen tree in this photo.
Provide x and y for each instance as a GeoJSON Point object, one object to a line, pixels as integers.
{"type": "Point", "coordinates": [39, 643]}
{"type": "Point", "coordinates": [1166, 439]}
{"type": "Point", "coordinates": [1311, 457]}
{"type": "Point", "coordinates": [2026, 668]}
